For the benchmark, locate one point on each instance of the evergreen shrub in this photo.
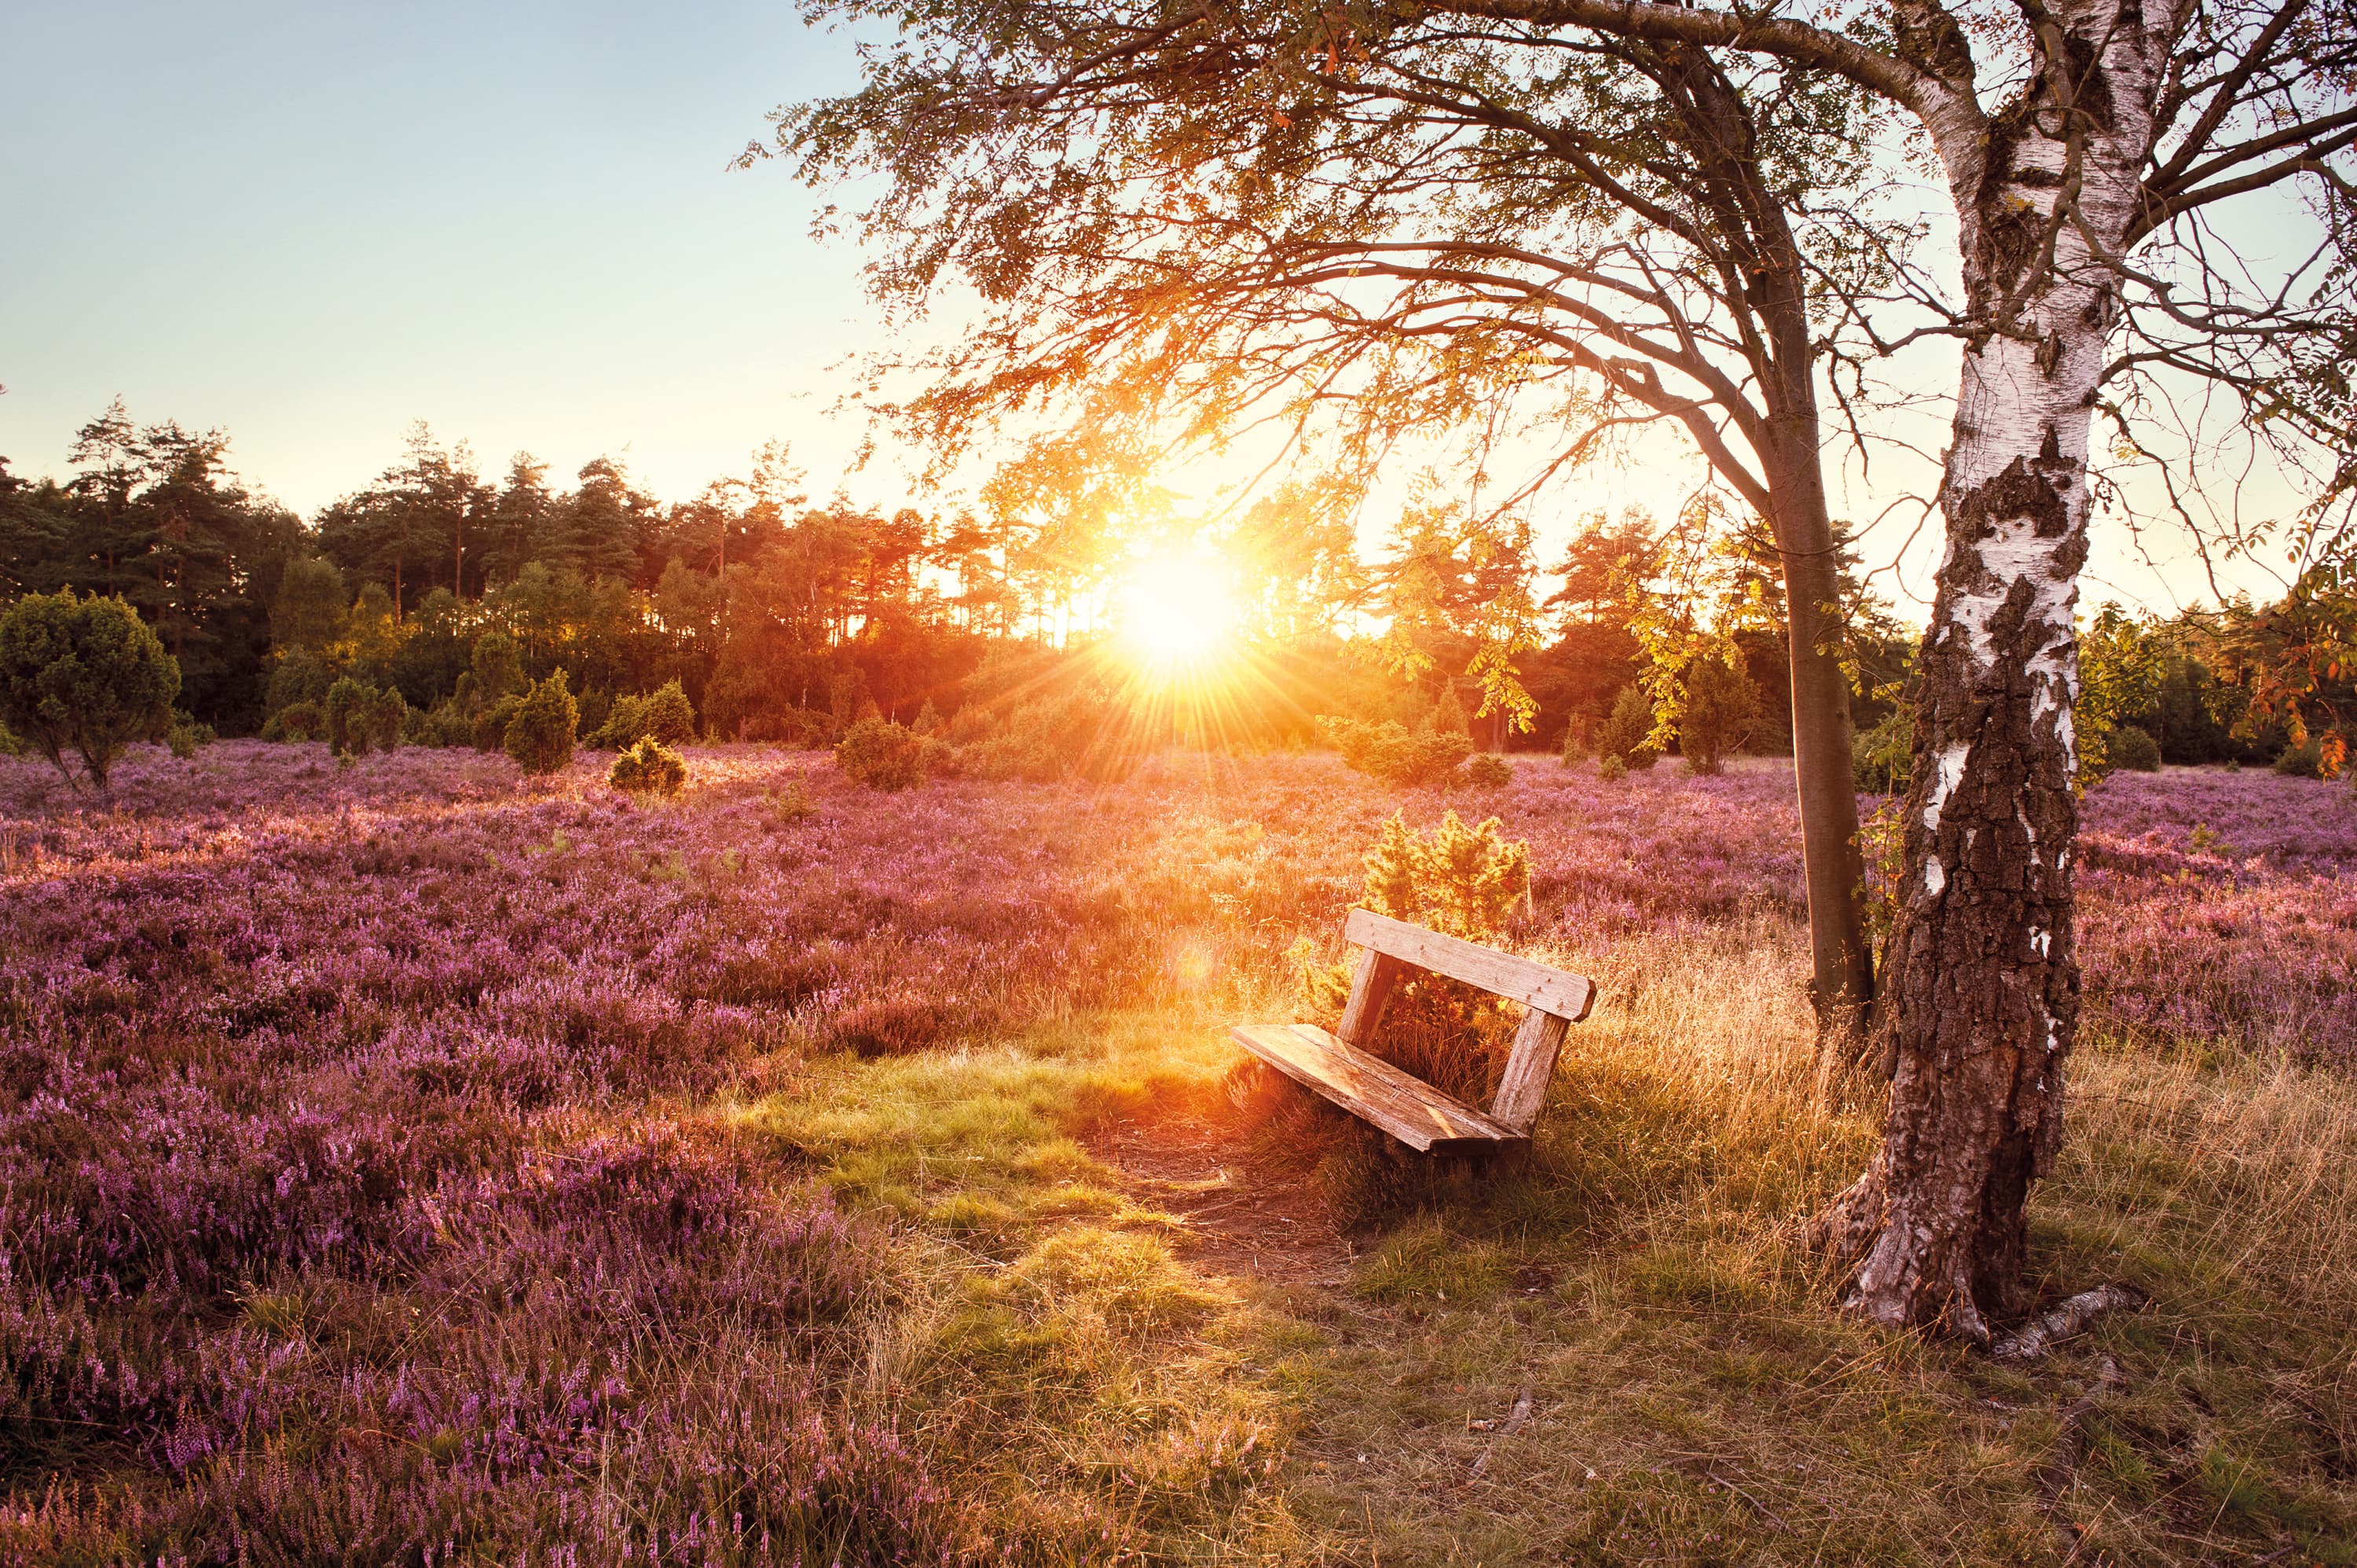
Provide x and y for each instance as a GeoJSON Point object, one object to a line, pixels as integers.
{"type": "Point", "coordinates": [648, 767]}
{"type": "Point", "coordinates": [881, 755]}
{"type": "Point", "coordinates": [539, 737]}
{"type": "Point", "coordinates": [1623, 735]}
{"type": "Point", "coordinates": [83, 677]}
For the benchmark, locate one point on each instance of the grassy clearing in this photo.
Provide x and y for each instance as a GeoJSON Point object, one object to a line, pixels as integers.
{"type": "Point", "coordinates": [1689, 1398]}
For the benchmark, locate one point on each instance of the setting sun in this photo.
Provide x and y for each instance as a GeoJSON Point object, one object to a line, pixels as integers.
{"type": "Point", "coordinates": [1176, 609]}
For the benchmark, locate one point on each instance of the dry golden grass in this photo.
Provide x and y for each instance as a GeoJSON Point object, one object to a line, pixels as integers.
{"type": "Point", "coordinates": [1691, 1398]}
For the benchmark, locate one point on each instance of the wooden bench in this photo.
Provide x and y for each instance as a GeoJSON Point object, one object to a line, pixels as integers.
{"type": "Point", "coordinates": [1406, 1107]}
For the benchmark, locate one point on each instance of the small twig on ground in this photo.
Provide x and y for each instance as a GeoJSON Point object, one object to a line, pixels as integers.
{"type": "Point", "coordinates": [2064, 1321]}
{"type": "Point", "coordinates": [1514, 1421]}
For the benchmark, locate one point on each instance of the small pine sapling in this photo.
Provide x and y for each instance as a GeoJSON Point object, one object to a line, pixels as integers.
{"type": "Point", "coordinates": [648, 767]}
{"type": "Point", "coordinates": [539, 737]}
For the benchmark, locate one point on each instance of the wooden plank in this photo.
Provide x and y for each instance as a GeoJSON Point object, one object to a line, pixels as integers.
{"type": "Point", "coordinates": [1374, 1090]}
{"type": "Point", "coordinates": [1555, 991]}
{"type": "Point", "coordinates": [1529, 1067]}
{"type": "Point", "coordinates": [1378, 973]}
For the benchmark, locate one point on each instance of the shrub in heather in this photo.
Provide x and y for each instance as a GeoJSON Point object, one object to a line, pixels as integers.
{"type": "Point", "coordinates": [669, 717]}
{"type": "Point", "coordinates": [346, 711]}
{"type": "Point", "coordinates": [83, 677]}
{"type": "Point", "coordinates": [1045, 741]}
{"type": "Point", "coordinates": [297, 722]}
{"type": "Point", "coordinates": [186, 736]}
{"type": "Point", "coordinates": [1720, 706]}
{"type": "Point", "coordinates": [2132, 747]}
{"type": "Point", "coordinates": [1394, 753]}
{"type": "Point", "coordinates": [2318, 757]}
{"type": "Point", "coordinates": [648, 767]}
{"type": "Point", "coordinates": [444, 724]}
{"type": "Point", "coordinates": [625, 722]}
{"type": "Point", "coordinates": [540, 736]}
{"type": "Point", "coordinates": [881, 755]}
{"type": "Point", "coordinates": [489, 729]}
{"type": "Point", "coordinates": [1625, 732]}
{"type": "Point", "coordinates": [1611, 770]}
{"type": "Point", "coordinates": [1487, 770]}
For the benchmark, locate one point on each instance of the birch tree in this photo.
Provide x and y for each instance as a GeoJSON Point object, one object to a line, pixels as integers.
{"type": "Point", "coordinates": [1271, 211]}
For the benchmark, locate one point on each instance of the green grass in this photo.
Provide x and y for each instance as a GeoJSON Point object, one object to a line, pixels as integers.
{"type": "Point", "coordinates": [1692, 1398]}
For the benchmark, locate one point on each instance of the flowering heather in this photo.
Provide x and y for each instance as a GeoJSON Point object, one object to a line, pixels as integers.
{"type": "Point", "coordinates": [357, 1194]}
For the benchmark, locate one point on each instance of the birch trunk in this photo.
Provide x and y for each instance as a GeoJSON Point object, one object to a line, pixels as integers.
{"type": "Point", "coordinates": [1980, 992]}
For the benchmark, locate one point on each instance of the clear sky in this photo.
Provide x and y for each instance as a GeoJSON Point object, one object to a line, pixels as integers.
{"type": "Point", "coordinates": [313, 224]}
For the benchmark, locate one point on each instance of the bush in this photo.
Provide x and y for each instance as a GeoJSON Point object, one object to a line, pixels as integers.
{"type": "Point", "coordinates": [881, 755]}
{"type": "Point", "coordinates": [1394, 754]}
{"type": "Point", "coordinates": [1623, 735]}
{"type": "Point", "coordinates": [2307, 760]}
{"type": "Point", "coordinates": [1042, 742]}
{"type": "Point", "coordinates": [361, 717]}
{"type": "Point", "coordinates": [83, 676]}
{"type": "Point", "coordinates": [445, 726]}
{"type": "Point", "coordinates": [648, 767]}
{"type": "Point", "coordinates": [1721, 705]}
{"type": "Point", "coordinates": [1574, 740]}
{"type": "Point", "coordinates": [1485, 772]}
{"type": "Point", "coordinates": [297, 722]}
{"type": "Point", "coordinates": [490, 729]}
{"type": "Point", "coordinates": [625, 722]}
{"type": "Point", "coordinates": [1611, 770]}
{"type": "Point", "coordinates": [540, 736]}
{"type": "Point", "coordinates": [669, 717]}
{"type": "Point", "coordinates": [2132, 747]}
{"type": "Point", "coordinates": [188, 735]}
{"type": "Point", "coordinates": [1881, 757]}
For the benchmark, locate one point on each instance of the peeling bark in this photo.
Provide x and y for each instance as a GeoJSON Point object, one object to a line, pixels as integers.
{"type": "Point", "coordinates": [1979, 1001]}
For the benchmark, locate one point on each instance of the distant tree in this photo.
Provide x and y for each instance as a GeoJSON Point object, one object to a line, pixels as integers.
{"type": "Point", "coordinates": [309, 610]}
{"type": "Point", "coordinates": [85, 677]}
{"type": "Point", "coordinates": [1626, 735]}
{"type": "Point", "coordinates": [1721, 705]}
{"type": "Point", "coordinates": [539, 737]}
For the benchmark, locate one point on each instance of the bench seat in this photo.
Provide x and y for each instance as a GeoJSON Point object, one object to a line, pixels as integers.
{"type": "Point", "coordinates": [1372, 1089]}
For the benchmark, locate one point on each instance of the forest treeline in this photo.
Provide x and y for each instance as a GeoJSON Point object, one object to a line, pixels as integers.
{"type": "Point", "coordinates": [785, 621]}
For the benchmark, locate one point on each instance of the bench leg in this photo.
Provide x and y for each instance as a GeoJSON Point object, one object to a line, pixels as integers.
{"type": "Point", "coordinates": [1523, 1090]}
{"type": "Point", "coordinates": [1378, 974]}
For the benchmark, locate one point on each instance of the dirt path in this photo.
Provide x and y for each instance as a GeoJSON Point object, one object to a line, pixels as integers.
{"type": "Point", "coordinates": [1244, 1216]}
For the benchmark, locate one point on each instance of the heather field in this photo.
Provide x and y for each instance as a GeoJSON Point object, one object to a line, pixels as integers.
{"type": "Point", "coordinates": [405, 1163]}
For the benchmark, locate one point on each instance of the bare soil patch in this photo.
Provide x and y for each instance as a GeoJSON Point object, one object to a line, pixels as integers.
{"type": "Point", "coordinates": [1245, 1214]}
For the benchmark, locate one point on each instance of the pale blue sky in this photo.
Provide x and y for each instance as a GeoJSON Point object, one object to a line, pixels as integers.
{"type": "Point", "coordinates": [312, 224]}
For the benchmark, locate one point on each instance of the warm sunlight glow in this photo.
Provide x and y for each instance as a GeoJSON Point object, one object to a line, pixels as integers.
{"type": "Point", "coordinates": [1175, 609]}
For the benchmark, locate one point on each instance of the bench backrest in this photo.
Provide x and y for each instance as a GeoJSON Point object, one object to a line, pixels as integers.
{"type": "Point", "coordinates": [1556, 999]}
{"type": "Point", "coordinates": [1566, 995]}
